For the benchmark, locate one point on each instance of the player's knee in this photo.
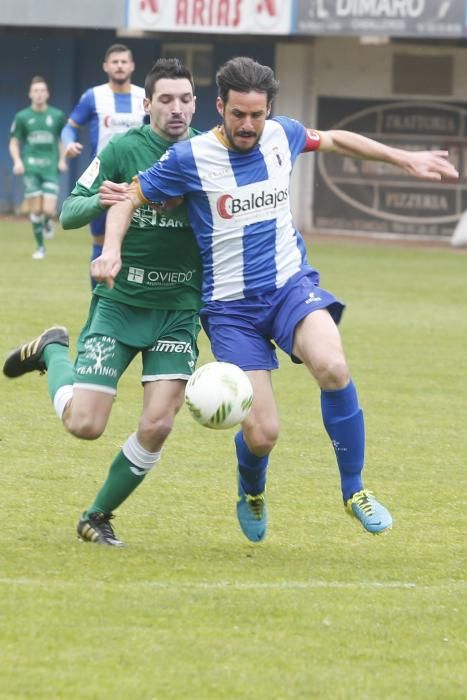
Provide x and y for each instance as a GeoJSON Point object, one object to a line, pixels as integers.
{"type": "Point", "coordinates": [49, 211]}
{"type": "Point", "coordinates": [86, 431]}
{"type": "Point", "coordinates": [261, 437]}
{"type": "Point", "coordinates": [84, 427]}
{"type": "Point", "coordinates": [155, 430]}
{"type": "Point", "coordinates": [333, 373]}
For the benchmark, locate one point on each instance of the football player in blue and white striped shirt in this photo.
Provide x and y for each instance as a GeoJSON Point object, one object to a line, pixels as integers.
{"type": "Point", "coordinates": [258, 287]}
{"type": "Point", "coordinates": [109, 109]}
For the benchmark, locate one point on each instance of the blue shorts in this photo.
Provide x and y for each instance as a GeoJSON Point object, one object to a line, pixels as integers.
{"type": "Point", "coordinates": [97, 225]}
{"type": "Point", "coordinates": [244, 332]}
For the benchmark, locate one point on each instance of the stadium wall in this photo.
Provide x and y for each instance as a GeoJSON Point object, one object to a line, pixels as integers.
{"type": "Point", "coordinates": [348, 68]}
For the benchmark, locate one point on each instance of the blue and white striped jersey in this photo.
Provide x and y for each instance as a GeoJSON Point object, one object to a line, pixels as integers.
{"type": "Point", "coordinates": [238, 205]}
{"type": "Point", "coordinates": [108, 113]}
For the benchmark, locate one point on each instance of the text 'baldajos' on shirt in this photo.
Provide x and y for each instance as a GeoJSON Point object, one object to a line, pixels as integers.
{"type": "Point", "coordinates": [239, 206]}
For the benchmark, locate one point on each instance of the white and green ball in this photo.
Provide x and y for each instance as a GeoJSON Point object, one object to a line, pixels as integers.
{"type": "Point", "coordinates": [219, 395]}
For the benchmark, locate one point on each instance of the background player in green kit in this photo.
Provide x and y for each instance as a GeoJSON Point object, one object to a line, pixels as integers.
{"type": "Point", "coordinates": [152, 309]}
{"type": "Point", "coordinates": [39, 155]}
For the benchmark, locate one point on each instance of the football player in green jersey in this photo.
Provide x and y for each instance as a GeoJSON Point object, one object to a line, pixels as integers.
{"type": "Point", "coordinates": [38, 155]}
{"type": "Point", "coordinates": [152, 309]}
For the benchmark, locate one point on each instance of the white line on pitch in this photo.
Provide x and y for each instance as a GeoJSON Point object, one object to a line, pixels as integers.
{"type": "Point", "coordinates": [236, 585]}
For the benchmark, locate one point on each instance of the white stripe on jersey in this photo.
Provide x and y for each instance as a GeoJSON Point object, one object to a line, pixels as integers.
{"type": "Point", "coordinates": [110, 121]}
{"type": "Point", "coordinates": [288, 256]}
{"type": "Point", "coordinates": [213, 165]}
{"type": "Point", "coordinates": [234, 207]}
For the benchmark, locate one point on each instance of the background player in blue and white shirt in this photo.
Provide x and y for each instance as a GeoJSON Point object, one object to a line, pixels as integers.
{"type": "Point", "coordinates": [258, 286]}
{"type": "Point", "coordinates": [109, 109]}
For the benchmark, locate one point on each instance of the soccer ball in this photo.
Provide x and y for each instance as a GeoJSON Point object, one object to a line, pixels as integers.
{"type": "Point", "coordinates": [219, 395]}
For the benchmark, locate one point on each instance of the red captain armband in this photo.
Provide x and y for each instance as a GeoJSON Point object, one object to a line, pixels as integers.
{"type": "Point", "coordinates": [312, 140]}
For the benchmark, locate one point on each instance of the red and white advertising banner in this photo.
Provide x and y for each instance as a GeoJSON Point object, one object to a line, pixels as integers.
{"type": "Point", "coordinates": [216, 16]}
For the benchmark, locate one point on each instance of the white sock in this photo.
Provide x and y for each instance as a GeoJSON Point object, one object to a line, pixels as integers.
{"type": "Point", "coordinates": [61, 398]}
{"type": "Point", "coordinates": [142, 459]}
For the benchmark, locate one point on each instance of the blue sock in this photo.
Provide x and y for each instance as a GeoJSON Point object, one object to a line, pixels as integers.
{"type": "Point", "coordinates": [96, 251]}
{"type": "Point", "coordinates": [252, 468]}
{"type": "Point", "coordinates": [343, 420]}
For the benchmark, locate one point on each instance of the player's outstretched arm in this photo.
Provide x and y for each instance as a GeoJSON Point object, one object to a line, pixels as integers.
{"type": "Point", "coordinates": [426, 165]}
{"type": "Point", "coordinates": [106, 267]}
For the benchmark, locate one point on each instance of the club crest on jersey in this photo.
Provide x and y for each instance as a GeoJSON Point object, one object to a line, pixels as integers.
{"type": "Point", "coordinates": [229, 206]}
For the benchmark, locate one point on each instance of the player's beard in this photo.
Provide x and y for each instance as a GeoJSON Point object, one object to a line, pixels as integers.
{"type": "Point", "coordinates": [121, 79]}
{"type": "Point", "coordinates": [230, 138]}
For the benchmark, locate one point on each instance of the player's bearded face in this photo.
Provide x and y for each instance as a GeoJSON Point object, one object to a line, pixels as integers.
{"type": "Point", "coordinates": [119, 67]}
{"type": "Point", "coordinates": [171, 108]}
{"type": "Point", "coordinates": [244, 116]}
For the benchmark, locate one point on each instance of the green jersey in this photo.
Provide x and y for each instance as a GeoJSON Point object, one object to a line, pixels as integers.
{"type": "Point", "coordinates": [39, 133]}
{"type": "Point", "coordinates": [160, 270]}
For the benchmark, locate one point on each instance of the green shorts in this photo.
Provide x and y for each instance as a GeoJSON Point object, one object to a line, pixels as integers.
{"type": "Point", "coordinates": [115, 333]}
{"type": "Point", "coordinates": [41, 184]}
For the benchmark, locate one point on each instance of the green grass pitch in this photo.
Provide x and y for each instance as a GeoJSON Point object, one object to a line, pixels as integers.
{"type": "Point", "coordinates": [190, 610]}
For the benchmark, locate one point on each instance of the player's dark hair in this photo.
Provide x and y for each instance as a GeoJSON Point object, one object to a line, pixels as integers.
{"type": "Point", "coordinates": [117, 48]}
{"type": "Point", "coordinates": [171, 68]}
{"type": "Point", "coordinates": [244, 74]}
{"type": "Point", "coordinates": [38, 79]}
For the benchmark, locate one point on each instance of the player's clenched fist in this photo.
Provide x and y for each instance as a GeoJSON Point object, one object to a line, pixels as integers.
{"type": "Point", "coordinates": [106, 267]}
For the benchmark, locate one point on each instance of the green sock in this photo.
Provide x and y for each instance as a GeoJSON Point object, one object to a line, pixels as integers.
{"type": "Point", "coordinates": [59, 367]}
{"type": "Point", "coordinates": [120, 483]}
{"type": "Point", "coordinates": [37, 227]}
